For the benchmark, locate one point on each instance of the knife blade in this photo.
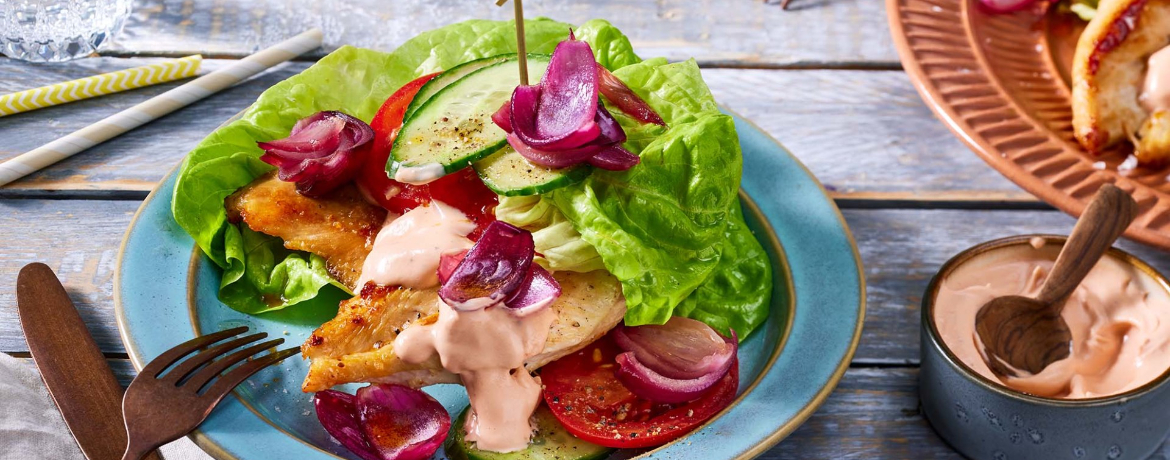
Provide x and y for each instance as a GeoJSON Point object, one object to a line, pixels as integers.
{"type": "Point", "coordinates": [73, 368]}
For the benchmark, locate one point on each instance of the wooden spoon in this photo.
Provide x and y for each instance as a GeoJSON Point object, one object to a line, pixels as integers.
{"type": "Point", "coordinates": [1029, 334]}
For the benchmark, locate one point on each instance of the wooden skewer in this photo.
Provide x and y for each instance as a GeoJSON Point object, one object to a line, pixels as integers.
{"type": "Point", "coordinates": [518, 8]}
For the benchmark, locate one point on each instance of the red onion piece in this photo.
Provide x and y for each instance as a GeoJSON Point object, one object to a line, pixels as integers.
{"type": "Point", "coordinates": [555, 160]}
{"type": "Point", "coordinates": [315, 133]}
{"type": "Point", "coordinates": [646, 383]}
{"type": "Point", "coordinates": [559, 123]}
{"type": "Point", "coordinates": [448, 263]}
{"type": "Point", "coordinates": [682, 348]}
{"type": "Point", "coordinates": [1005, 6]}
{"type": "Point", "coordinates": [614, 158]}
{"type": "Point", "coordinates": [610, 131]}
{"type": "Point", "coordinates": [503, 117]}
{"type": "Point", "coordinates": [492, 269]}
{"type": "Point", "coordinates": [536, 293]}
{"type": "Point", "coordinates": [625, 98]}
{"type": "Point", "coordinates": [402, 423]}
{"type": "Point", "coordinates": [525, 110]}
{"type": "Point", "coordinates": [558, 114]}
{"type": "Point", "coordinates": [337, 413]}
{"type": "Point", "coordinates": [322, 152]}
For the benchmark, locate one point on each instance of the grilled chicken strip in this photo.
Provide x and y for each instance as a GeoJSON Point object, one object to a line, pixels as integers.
{"type": "Point", "coordinates": [340, 226]}
{"type": "Point", "coordinates": [357, 345]}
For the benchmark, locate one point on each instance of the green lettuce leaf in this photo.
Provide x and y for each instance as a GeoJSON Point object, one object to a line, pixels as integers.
{"type": "Point", "coordinates": [259, 275]}
{"type": "Point", "coordinates": [658, 227]}
{"type": "Point", "coordinates": [560, 245]}
{"type": "Point", "coordinates": [610, 46]}
{"type": "Point", "coordinates": [671, 230]}
{"type": "Point", "coordinates": [737, 294]}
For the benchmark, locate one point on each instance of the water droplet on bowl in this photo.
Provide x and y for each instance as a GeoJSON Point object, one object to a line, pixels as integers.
{"type": "Point", "coordinates": [1078, 452]}
{"type": "Point", "coordinates": [1036, 436]}
{"type": "Point", "coordinates": [1117, 416]}
{"type": "Point", "coordinates": [992, 418]}
{"type": "Point", "coordinates": [999, 455]}
{"type": "Point", "coordinates": [1017, 420]}
{"type": "Point", "coordinates": [961, 412]}
{"type": "Point", "coordinates": [1015, 437]}
{"type": "Point", "coordinates": [1114, 452]}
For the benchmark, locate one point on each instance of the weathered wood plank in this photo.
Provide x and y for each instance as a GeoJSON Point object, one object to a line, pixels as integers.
{"type": "Point", "coordinates": [741, 33]}
{"type": "Point", "coordinates": [79, 240]}
{"type": "Point", "coordinates": [901, 250]}
{"type": "Point", "coordinates": [873, 413]}
{"type": "Point", "coordinates": [865, 134]}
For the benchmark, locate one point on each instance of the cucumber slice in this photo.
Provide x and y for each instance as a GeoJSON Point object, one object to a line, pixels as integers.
{"type": "Point", "coordinates": [451, 76]}
{"type": "Point", "coordinates": [454, 127]}
{"type": "Point", "coordinates": [551, 442]}
{"type": "Point", "coordinates": [510, 174]}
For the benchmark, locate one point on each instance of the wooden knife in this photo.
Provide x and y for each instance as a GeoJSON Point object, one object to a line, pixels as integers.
{"type": "Point", "coordinates": [77, 375]}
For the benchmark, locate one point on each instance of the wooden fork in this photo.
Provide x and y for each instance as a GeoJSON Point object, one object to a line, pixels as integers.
{"type": "Point", "coordinates": [160, 407]}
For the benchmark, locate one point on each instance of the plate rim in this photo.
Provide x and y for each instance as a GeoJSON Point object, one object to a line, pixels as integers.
{"type": "Point", "coordinates": [215, 450]}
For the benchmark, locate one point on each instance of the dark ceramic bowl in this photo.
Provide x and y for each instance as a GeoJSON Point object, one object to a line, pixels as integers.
{"type": "Point", "coordinates": [985, 420]}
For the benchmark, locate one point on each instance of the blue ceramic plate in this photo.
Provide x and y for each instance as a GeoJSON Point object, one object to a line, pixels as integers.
{"type": "Point", "coordinates": [164, 294]}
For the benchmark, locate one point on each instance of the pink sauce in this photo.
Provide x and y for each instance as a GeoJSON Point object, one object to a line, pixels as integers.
{"type": "Point", "coordinates": [1156, 89]}
{"type": "Point", "coordinates": [1119, 318]}
{"type": "Point", "coordinates": [407, 250]}
{"type": "Point", "coordinates": [487, 348]}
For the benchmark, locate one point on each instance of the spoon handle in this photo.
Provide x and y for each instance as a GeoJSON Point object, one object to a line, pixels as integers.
{"type": "Point", "coordinates": [1103, 221]}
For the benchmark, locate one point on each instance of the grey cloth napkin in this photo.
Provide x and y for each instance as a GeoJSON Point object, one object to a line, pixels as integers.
{"type": "Point", "coordinates": [32, 428]}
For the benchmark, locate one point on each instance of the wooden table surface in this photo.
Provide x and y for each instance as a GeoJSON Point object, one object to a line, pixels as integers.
{"type": "Point", "coordinates": [823, 78]}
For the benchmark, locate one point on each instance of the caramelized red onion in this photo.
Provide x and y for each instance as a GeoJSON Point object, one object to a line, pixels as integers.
{"type": "Point", "coordinates": [555, 160]}
{"type": "Point", "coordinates": [323, 151]}
{"type": "Point", "coordinates": [492, 269]}
{"type": "Point", "coordinates": [337, 412]}
{"type": "Point", "coordinates": [614, 158]}
{"type": "Point", "coordinates": [384, 422]}
{"type": "Point", "coordinates": [536, 293]}
{"type": "Point", "coordinates": [498, 269]}
{"type": "Point", "coordinates": [626, 99]}
{"type": "Point", "coordinates": [402, 423]}
{"type": "Point", "coordinates": [558, 113]}
{"type": "Point", "coordinates": [675, 362]}
{"type": "Point", "coordinates": [560, 123]}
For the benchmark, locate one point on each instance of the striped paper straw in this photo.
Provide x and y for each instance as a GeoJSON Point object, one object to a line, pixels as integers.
{"type": "Point", "coordinates": [99, 85]}
{"type": "Point", "coordinates": [157, 106]}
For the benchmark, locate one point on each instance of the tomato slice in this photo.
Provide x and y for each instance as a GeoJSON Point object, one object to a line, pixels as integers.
{"type": "Point", "coordinates": [462, 190]}
{"type": "Point", "coordinates": [583, 393]}
{"type": "Point", "coordinates": [373, 181]}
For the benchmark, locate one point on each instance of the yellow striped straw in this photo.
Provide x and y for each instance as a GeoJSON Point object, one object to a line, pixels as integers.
{"type": "Point", "coordinates": [157, 106]}
{"type": "Point", "coordinates": [99, 85]}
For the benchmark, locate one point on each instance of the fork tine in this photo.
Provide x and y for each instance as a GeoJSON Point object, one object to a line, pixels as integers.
{"type": "Point", "coordinates": [189, 365]}
{"type": "Point", "coordinates": [222, 386]}
{"type": "Point", "coordinates": [155, 367]}
{"type": "Point", "coordinates": [200, 378]}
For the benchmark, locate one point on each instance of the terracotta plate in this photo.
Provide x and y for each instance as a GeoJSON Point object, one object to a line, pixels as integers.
{"type": "Point", "coordinates": [1001, 84]}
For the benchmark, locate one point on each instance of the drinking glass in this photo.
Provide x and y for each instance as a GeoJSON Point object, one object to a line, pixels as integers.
{"type": "Point", "coordinates": [58, 30]}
